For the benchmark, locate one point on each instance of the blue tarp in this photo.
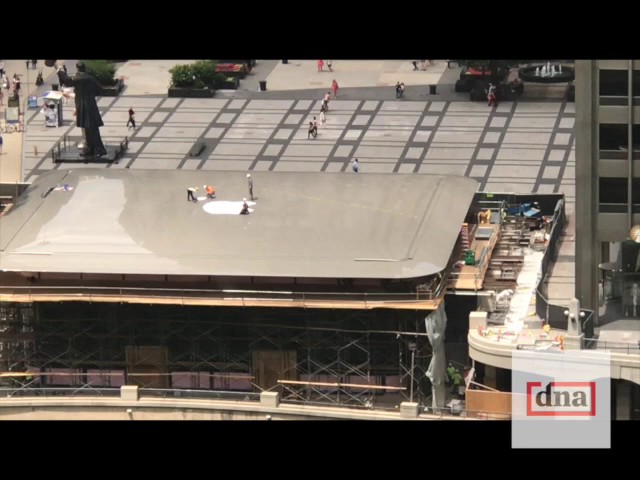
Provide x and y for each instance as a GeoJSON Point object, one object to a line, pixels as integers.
{"type": "Point", "coordinates": [525, 209]}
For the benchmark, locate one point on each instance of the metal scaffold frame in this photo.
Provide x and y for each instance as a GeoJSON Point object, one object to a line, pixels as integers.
{"type": "Point", "coordinates": [373, 358]}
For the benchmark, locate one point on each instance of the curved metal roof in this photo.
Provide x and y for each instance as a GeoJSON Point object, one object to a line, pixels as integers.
{"type": "Point", "coordinates": [331, 225]}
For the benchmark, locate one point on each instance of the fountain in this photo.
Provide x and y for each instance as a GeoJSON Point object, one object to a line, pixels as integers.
{"type": "Point", "coordinates": [547, 73]}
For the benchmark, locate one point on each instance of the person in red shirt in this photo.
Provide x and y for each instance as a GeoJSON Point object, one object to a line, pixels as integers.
{"type": "Point", "coordinates": [491, 96]}
{"type": "Point", "coordinates": [320, 65]}
{"type": "Point", "coordinates": [211, 191]}
{"type": "Point", "coordinates": [334, 87]}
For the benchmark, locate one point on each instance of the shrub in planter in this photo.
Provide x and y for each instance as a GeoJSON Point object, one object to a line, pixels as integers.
{"type": "Point", "coordinates": [102, 70]}
{"type": "Point", "coordinates": [182, 76]}
{"type": "Point", "coordinates": [194, 81]}
{"type": "Point", "coordinates": [113, 90]}
{"type": "Point", "coordinates": [205, 70]}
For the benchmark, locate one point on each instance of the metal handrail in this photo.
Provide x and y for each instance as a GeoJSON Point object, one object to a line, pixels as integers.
{"type": "Point", "coordinates": [58, 391]}
{"type": "Point", "coordinates": [190, 393]}
{"type": "Point", "coordinates": [594, 343]}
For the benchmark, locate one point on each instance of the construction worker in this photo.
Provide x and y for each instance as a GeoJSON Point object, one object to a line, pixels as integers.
{"type": "Point", "coordinates": [245, 207]}
{"type": "Point", "coordinates": [454, 377]}
{"type": "Point", "coordinates": [191, 194]}
{"type": "Point", "coordinates": [211, 191]}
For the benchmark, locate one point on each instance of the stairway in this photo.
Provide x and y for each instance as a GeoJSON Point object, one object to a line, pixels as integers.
{"type": "Point", "coordinates": [464, 240]}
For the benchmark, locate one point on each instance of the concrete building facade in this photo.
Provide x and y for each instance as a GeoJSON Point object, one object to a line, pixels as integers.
{"type": "Point", "coordinates": [607, 183]}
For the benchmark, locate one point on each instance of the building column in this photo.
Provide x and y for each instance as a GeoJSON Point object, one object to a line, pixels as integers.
{"type": "Point", "coordinates": [586, 213]}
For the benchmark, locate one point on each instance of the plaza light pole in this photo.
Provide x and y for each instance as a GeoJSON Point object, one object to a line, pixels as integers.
{"type": "Point", "coordinates": [412, 347]}
{"type": "Point", "coordinates": [26, 96]}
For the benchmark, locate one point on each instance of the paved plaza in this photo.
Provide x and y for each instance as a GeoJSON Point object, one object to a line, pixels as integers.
{"type": "Point", "coordinates": [518, 147]}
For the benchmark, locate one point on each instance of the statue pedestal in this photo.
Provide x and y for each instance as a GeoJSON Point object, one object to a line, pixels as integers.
{"type": "Point", "coordinates": [72, 154]}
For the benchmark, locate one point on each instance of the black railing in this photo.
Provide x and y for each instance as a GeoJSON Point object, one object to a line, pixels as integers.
{"type": "Point", "coordinates": [552, 313]}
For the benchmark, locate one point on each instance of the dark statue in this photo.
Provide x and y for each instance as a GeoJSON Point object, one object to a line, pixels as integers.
{"type": "Point", "coordinates": [88, 117]}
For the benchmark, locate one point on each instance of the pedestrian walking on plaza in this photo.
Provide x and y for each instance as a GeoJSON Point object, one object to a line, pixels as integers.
{"type": "Point", "coordinates": [132, 120]}
{"type": "Point", "coordinates": [315, 127]}
{"type": "Point", "coordinates": [398, 90]}
{"type": "Point", "coordinates": [311, 132]}
{"type": "Point", "coordinates": [28, 62]}
{"type": "Point", "coordinates": [329, 63]}
{"type": "Point", "coordinates": [34, 64]}
{"type": "Point", "coordinates": [334, 88]}
{"type": "Point", "coordinates": [424, 64]}
{"type": "Point", "coordinates": [415, 65]}
{"type": "Point", "coordinates": [355, 166]}
{"type": "Point", "coordinates": [491, 96]}
{"type": "Point", "coordinates": [191, 194]}
{"type": "Point", "coordinates": [0, 144]}
{"type": "Point", "coordinates": [325, 100]}
{"type": "Point", "coordinates": [401, 90]}
{"type": "Point", "coordinates": [1, 69]}
{"type": "Point", "coordinates": [250, 184]}
{"type": "Point", "coordinates": [320, 65]}
{"type": "Point", "coordinates": [323, 119]}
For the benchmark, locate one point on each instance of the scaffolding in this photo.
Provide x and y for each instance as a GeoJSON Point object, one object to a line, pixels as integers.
{"type": "Point", "coordinates": [368, 358]}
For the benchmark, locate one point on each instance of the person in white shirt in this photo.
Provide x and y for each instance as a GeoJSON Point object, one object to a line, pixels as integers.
{"type": "Point", "coordinates": [191, 194]}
